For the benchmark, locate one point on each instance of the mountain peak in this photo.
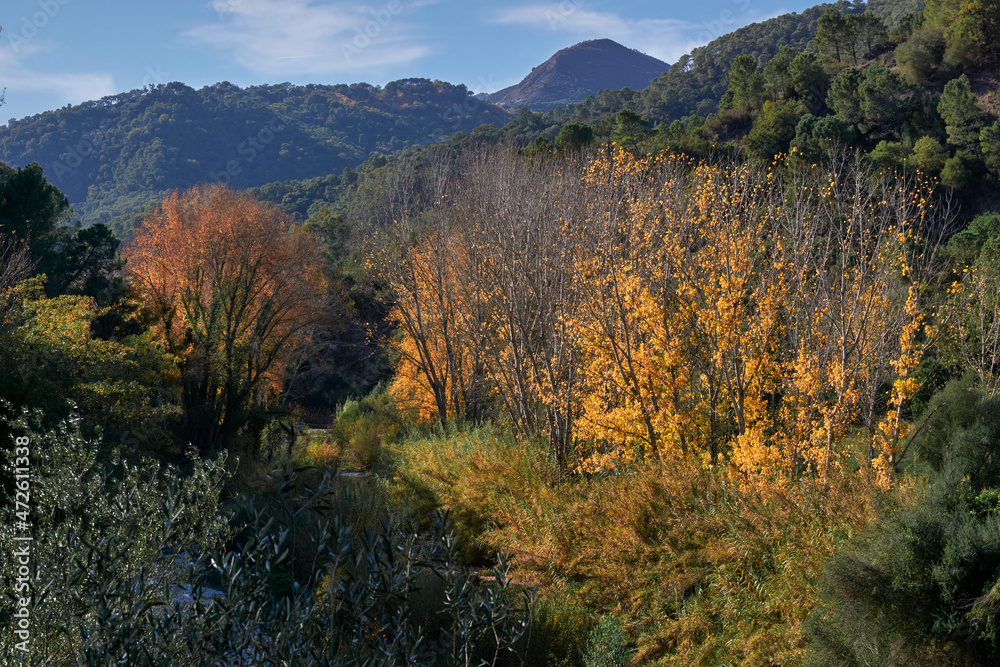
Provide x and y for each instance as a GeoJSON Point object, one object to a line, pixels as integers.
{"type": "Point", "coordinates": [577, 71]}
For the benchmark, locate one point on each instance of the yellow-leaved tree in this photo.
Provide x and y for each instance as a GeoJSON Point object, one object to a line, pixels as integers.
{"type": "Point", "coordinates": [635, 308]}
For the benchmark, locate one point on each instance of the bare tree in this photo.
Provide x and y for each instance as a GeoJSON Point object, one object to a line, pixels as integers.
{"type": "Point", "coordinates": [519, 214]}
{"type": "Point", "coordinates": [15, 265]}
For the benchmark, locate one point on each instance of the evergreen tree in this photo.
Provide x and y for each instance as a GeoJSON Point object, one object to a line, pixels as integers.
{"type": "Point", "coordinates": [961, 114]}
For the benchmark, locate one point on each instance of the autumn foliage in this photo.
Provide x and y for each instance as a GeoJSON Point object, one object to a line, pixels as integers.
{"type": "Point", "coordinates": [233, 285]}
{"type": "Point", "coordinates": [654, 308]}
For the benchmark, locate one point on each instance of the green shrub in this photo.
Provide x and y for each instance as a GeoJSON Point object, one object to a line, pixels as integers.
{"type": "Point", "coordinates": [560, 627]}
{"type": "Point", "coordinates": [364, 426]}
{"type": "Point", "coordinates": [109, 587]}
{"type": "Point", "coordinates": [920, 587]}
{"type": "Point", "coordinates": [106, 535]}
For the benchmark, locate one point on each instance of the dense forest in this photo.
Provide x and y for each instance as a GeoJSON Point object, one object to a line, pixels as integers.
{"type": "Point", "coordinates": [122, 152]}
{"type": "Point", "coordinates": [704, 377]}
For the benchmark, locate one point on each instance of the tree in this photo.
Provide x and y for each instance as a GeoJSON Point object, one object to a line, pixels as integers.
{"type": "Point", "coordinates": [957, 172]}
{"type": "Point", "coordinates": [989, 144]}
{"type": "Point", "coordinates": [440, 376]}
{"type": "Point", "coordinates": [780, 84]}
{"type": "Point", "coordinates": [929, 156]}
{"type": "Point", "coordinates": [15, 266]}
{"type": "Point", "coordinates": [574, 137]}
{"type": "Point", "coordinates": [919, 587]}
{"type": "Point", "coordinates": [774, 128]}
{"type": "Point", "coordinates": [816, 138]}
{"type": "Point", "coordinates": [973, 339]}
{"type": "Point", "coordinates": [871, 99]}
{"type": "Point", "coordinates": [870, 31]}
{"type": "Point", "coordinates": [888, 155]}
{"type": "Point", "coordinates": [962, 116]}
{"type": "Point", "coordinates": [880, 96]}
{"type": "Point", "coordinates": [746, 86]}
{"type": "Point", "coordinates": [920, 56]}
{"type": "Point", "coordinates": [836, 37]}
{"type": "Point", "coordinates": [51, 358]}
{"type": "Point", "coordinates": [842, 96]}
{"type": "Point", "coordinates": [858, 269]}
{"type": "Point", "coordinates": [32, 210]}
{"type": "Point", "coordinates": [75, 260]}
{"type": "Point", "coordinates": [633, 380]}
{"type": "Point", "coordinates": [969, 28]}
{"type": "Point", "coordinates": [629, 129]}
{"type": "Point", "coordinates": [232, 285]}
{"type": "Point", "coordinates": [809, 80]}
{"type": "Point", "coordinates": [480, 283]}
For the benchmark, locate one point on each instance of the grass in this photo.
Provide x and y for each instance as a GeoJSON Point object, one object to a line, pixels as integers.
{"type": "Point", "coordinates": [699, 568]}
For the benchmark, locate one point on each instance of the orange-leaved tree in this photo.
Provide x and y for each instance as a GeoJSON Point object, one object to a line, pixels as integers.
{"type": "Point", "coordinates": [233, 286]}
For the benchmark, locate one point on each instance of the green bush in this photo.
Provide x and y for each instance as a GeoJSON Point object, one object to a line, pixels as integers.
{"type": "Point", "coordinates": [364, 426]}
{"type": "Point", "coordinates": [127, 569]}
{"type": "Point", "coordinates": [106, 537]}
{"type": "Point", "coordinates": [560, 627]}
{"type": "Point", "coordinates": [920, 587]}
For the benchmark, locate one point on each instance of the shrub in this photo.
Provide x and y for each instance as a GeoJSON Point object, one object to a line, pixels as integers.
{"type": "Point", "coordinates": [364, 426]}
{"type": "Point", "coordinates": [111, 589]}
{"type": "Point", "coordinates": [479, 476]}
{"type": "Point", "coordinates": [920, 587]}
{"type": "Point", "coordinates": [706, 570]}
{"type": "Point", "coordinates": [607, 645]}
{"type": "Point", "coordinates": [106, 538]}
{"type": "Point", "coordinates": [560, 627]}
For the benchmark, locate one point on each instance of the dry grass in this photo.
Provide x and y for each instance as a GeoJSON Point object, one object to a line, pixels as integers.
{"type": "Point", "coordinates": [701, 569]}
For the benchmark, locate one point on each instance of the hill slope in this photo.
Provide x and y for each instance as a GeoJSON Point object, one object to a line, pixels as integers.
{"type": "Point", "coordinates": [576, 72]}
{"type": "Point", "coordinates": [112, 155]}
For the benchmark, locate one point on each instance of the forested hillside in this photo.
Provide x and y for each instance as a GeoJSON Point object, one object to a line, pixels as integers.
{"type": "Point", "coordinates": [118, 153]}
{"type": "Point", "coordinates": [112, 156]}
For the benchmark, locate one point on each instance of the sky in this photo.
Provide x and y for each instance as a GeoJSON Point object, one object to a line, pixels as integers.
{"type": "Point", "coordinates": [59, 52]}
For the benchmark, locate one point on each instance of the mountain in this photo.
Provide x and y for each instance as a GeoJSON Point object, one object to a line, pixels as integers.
{"type": "Point", "coordinates": [575, 73]}
{"type": "Point", "coordinates": [116, 154]}
{"type": "Point", "coordinates": [697, 81]}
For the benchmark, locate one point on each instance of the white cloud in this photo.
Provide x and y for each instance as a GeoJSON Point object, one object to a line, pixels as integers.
{"type": "Point", "coordinates": [299, 37]}
{"type": "Point", "coordinates": [666, 39]}
{"type": "Point", "coordinates": [61, 87]}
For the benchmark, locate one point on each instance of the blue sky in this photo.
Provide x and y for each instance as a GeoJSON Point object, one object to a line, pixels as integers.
{"type": "Point", "coordinates": [58, 52]}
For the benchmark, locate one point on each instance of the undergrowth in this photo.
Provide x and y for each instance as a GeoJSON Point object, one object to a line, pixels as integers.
{"type": "Point", "coordinates": [699, 568]}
